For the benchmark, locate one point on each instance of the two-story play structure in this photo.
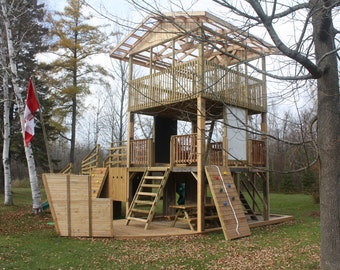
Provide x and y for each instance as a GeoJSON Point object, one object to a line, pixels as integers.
{"type": "Point", "coordinates": [203, 82]}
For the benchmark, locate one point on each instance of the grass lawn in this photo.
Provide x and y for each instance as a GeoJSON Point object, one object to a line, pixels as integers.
{"type": "Point", "coordinates": [29, 242]}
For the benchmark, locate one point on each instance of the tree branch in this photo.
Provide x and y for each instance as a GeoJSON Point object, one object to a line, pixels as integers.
{"type": "Point", "coordinates": [267, 22]}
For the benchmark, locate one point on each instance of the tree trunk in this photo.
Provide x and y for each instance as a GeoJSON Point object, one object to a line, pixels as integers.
{"type": "Point", "coordinates": [8, 199]}
{"type": "Point", "coordinates": [328, 136]}
{"type": "Point", "coordinates": [36, 195]}
{"type": "Point", "coordinates": [73, 129]}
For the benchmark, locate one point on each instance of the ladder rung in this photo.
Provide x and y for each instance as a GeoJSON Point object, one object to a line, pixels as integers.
{"type": "Point", "coordinates": [137, 219]}
{"type": "Point", "coordinates": [147, 194]}
{"type": "Point", "coordinates": [158, 169]}
{"type": "Point", "coordinates": [153, 177]}
{"type": "Point", "coordinates": [144, 202]}
{"type": "Point", "coordinates": [151, 185]}
{"type": "Point", "coordinates": [140, 211]}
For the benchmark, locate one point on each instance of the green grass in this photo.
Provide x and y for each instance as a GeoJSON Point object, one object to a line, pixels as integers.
{"type": "Point", "coordinates": [28, 242]}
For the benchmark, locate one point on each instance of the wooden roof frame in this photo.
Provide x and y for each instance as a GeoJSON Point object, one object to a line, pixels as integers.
{"type": "Point", "coordinates": [174, 38]}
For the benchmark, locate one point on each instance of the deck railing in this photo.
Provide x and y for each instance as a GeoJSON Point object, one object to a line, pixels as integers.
{"type": "Point", "coordinates": [184, 152]}
{"type": "Point", "coordinates": [141, 152]}
{"type": "Point", "coordinates": [216, 154]}
{"type": "Point", "coordinates": [184, 149]}
{"type": "Point", "coordinates": [233, 87]}
{"type": "Point", "coordinates": [117, 156]}
{"type": "Point", "coordinates": [257, 153]}
{"type": "Point", "coordinates": [181, 83]}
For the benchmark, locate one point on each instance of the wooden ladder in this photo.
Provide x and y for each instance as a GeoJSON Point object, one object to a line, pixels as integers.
{"type": "Point", "coordinates": [227, 202]}
{"type": "Point", "coordinates": [149, 192]}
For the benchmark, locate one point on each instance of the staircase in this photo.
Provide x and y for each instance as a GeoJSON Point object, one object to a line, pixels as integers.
{"type": "Point", "coordinates": [247, 207]}
{"type": "Point", "coordinates": [148, 194]}
{"type": "Point", "coordinates": [228, 205]}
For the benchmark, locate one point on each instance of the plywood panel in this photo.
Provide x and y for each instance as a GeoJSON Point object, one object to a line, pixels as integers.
{"type": "Point", "coordinates": [118, 183]}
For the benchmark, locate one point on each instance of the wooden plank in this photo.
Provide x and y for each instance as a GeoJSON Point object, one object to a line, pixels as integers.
{"type": "Point", "coordinates": [228, 205]}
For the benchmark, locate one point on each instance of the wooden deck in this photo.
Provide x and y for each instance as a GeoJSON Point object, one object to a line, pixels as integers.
{"type": "Point", "coordinates": [162, 228]}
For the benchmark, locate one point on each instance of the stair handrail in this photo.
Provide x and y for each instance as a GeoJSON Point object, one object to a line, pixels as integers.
{"type": "Point", "coordinates": [91, 160]}
{"type": "Point", "coordinates": [257, 195]}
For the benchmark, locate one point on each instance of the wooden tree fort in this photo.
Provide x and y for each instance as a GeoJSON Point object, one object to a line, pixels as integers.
{"type": "Point", "coordinates": [193, 68]}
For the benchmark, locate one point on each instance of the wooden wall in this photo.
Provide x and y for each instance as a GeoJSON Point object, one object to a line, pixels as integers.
{"type": "Point", "coordinates": [74, 211]}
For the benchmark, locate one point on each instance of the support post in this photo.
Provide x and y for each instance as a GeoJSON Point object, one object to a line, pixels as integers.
{"type": "Point", "coordinates": [225, 137]}
{"type": "Point", "coordinates": [200, 162]}
{"type": "Point", "coordinates": [264, 131]}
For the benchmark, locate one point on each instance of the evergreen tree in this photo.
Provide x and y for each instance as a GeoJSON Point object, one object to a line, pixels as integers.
{"type": "Point", "coordinates": [74, 42]}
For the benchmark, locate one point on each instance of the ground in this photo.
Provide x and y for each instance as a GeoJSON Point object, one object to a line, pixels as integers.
{"type": "Point", "coordinates": [30, 242]}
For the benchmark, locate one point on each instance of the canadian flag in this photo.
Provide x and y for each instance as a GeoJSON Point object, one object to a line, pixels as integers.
{"type": "Point", "coordinates": [31, 107]}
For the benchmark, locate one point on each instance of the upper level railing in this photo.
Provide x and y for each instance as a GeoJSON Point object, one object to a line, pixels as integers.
{"type": "Point", "coordinates": [182, 83]}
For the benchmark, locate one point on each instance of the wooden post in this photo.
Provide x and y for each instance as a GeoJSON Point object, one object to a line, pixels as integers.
{"type": "Point", "coordinates": [225, 136]}
{"type": "Point", "coordinates": [200, 162]}
{"type": "Point", "coordinates": [200, 142]}
{"type": "Point", "coordinates": [264, 130]}
{"type": "Point", "coordinates": [266, 174]}
{"type": "Point", "coordinates": [131, 128]}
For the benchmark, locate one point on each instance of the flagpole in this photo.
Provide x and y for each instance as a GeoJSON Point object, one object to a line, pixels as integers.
{"type": "Point", "coordinates": [44, 130]}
